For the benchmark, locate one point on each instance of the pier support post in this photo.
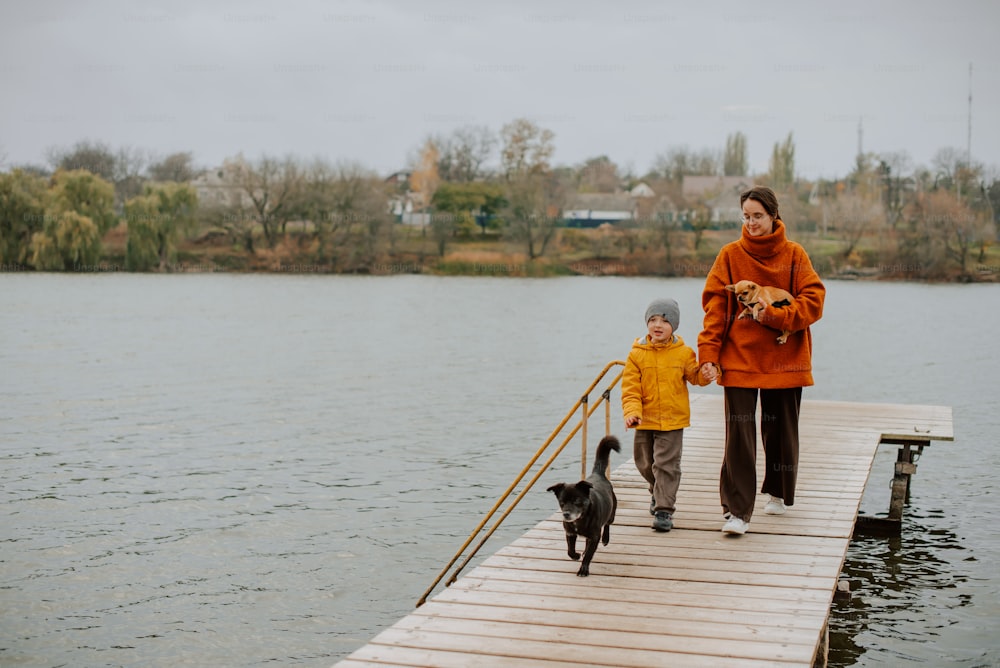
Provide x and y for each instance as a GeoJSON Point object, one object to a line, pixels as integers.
{"type": "Point", "coordinates": [910, 450]}
{"type": "Point", "coordinates": [822, 657]}
{"type": "Point", "coordinates": [905, 468]}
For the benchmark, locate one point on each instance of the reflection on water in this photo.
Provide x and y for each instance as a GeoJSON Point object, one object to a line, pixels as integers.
{"type": "Point", "coordinates": [904, 591]}
{"type": "Point", "coordinates": [241, 470]}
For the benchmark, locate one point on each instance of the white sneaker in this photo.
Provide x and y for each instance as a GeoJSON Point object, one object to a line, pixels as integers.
{"type": "Point", "coordinates": [736, 526]}
{"type": "Point", "coordinates": [775, 506]}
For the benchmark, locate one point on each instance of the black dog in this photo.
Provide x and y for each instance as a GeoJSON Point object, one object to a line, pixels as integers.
{"type": "Point", "coordinates": [588, 507]}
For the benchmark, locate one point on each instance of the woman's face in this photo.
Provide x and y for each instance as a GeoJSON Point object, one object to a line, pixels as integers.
{"type": "Point", "coordinates": [756, 219]}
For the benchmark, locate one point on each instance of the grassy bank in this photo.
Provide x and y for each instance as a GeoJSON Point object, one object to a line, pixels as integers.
{"type": "Point", "coordinates": [572, 252]}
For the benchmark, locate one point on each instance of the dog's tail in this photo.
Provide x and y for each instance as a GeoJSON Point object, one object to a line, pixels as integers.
{"type": "Point", "coordinates": [604, 448]}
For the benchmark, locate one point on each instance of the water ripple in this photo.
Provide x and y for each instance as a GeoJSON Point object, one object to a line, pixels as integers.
{"type": "Point", "coordinates": [241, 470]}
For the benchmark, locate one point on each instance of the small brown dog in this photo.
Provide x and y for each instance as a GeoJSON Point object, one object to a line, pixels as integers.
{"type": "Point", "coordinates": [755, 297]}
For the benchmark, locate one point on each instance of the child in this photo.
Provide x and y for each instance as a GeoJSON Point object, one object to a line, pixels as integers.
{"type": "Point", "coordinates": [655, 402]}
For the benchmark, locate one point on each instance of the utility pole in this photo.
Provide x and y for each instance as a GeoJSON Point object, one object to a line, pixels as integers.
{"type": "Point", "coordinates": [968, 143]}
{"type": "Point", "coordinates": [968, 139]}
{"type": "Point", "coordinates": [860, 133]}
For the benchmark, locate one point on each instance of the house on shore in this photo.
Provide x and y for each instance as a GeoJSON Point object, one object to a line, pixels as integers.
{"type": "Point", "coordinates": [406, 206]}
{"type": "Point", "coordinates": [719, 194]}
{"type": "Point", "coordinates": [218, 187]}
{"type": "Point", "coordinates": [589, 210]}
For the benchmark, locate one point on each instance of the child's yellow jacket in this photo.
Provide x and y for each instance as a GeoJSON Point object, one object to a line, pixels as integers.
{"type": "Point", "coordinates": [654, 384]}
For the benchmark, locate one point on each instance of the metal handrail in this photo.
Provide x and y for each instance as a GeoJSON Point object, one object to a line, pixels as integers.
{"type": "Point", "coordinates": [583, 402]}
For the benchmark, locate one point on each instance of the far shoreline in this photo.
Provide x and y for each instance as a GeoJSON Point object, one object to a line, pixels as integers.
{"type": "Point", "coordinates": [570, 253]}
{"type": "Point", "coordinates": [864, 275]}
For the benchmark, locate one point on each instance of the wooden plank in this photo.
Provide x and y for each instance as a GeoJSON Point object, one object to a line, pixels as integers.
{"type": "Point", "coordinates": [654, 557]}
{"type": "Point", "coordinates": [693, 596]}
{"type": "Point", "coordinates": [616, 617]}
{"type": "Point", "coordinates": [382, 651]}
{"type": "Point", "coordinates": [563, 643]}
{"type": "Point", "coordinates": [719, 599]}
{"type": "Point", "coordinates": [680, 543]}
{"type": "Point", "coordinates": [896, 420]}
{"type": "Point", "coordinates": [625, 615]}
{"type": "Point", "coordinates": [664, 570]}
{"type": "Point", "coordinates": [702, 497]}
{"type": "Point", "coordinates": [398, 655]}
{"type": "Point", "coordinates": [625, 586]}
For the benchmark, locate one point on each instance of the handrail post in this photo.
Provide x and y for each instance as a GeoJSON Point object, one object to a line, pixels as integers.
{"type": "Point", "coordinates": [545, 466]}
{"type": "Point", "coordinates": [607, 411]}
{"type": "Point", "coordinates": [583, 436]}
{"type": "Point", "coordinates": [607, 421]}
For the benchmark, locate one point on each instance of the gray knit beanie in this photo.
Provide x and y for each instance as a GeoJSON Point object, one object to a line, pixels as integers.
{"type": "Point", "coordinates": [667, 308]}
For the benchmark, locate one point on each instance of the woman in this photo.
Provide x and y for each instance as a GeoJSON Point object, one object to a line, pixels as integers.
{"type": "Point", "coordinates": [746, 359]}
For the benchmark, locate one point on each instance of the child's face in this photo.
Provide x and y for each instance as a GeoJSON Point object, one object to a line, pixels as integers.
{"type": "Point", "coordinates": [660, 330]}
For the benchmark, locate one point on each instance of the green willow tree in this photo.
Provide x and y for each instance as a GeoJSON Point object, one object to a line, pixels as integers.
{"type": "Point", "coordinates": [22, 212]}
{"type": "Point", "coordinates": [87, 194]}
{"type": "Point", "coordinates": [69, 241]}
{"type": "Point", "coordinates": [156, 221]}
{"type": "Point", "coordinates": [79, 210]}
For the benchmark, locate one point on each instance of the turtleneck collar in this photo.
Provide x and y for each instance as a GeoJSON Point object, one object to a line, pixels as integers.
{"type": "Point", "coordinates": [768, 245]}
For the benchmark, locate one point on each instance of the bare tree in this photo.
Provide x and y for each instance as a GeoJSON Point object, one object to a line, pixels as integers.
{"type": "Point", "coordinates": [176, 167]}
{"type": "Point", "coordinates": [95, 157]}
{"type": "Point", "coordinates": [130, 163]}
{"type": "Point", "coordinates": [425, 178]}
{"type": "Point", "coordinates": [347, 207]}
{"type": "Point", "coordinates": [946, 164]}
{"type": "Point", "coordinates": [782, 165]}
{"type": "Point", "coordinates": [527, 148]}
{"type": "Point", "coordinates": [535, 195]}
{"type": "Point", "coordinates": [271, 186]}
{"type": "Point", "coordinates": [853, 215]}
{"type": "Point", "coordinates": [122, 168]}
{"type": "Point", "coordinates": [464, 154]}
{"type": "Point", "coordinates": [664, 226]}
{"type": "Point", "coordinates": [678, 161]}
{"type": "Point", "coordinates": [895, 169]}
{"type": "Point", "coordinates": [599, 175]}
{"type": "Point", "coordinates": [534, 201]}
{"type": "Point", "coordinates": [939, 228]}
{"type": "Point", "coordinates": [961, 228]}
{"type": "Point", "coordinates": [734, 163]}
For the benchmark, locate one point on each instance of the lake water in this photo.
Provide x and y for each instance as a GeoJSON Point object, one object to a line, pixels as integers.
{"type": "Point", "coordinates": [251, 469]}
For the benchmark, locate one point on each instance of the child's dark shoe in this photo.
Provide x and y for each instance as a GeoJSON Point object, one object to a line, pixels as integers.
{"type": "Point", "coordinates": [663, 521]}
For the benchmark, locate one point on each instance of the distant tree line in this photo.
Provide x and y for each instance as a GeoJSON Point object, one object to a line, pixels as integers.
{"type": "Point", "coordinates": [470, 182]}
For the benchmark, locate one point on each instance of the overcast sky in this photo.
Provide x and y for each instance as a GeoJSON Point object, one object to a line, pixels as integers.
{"type": "Point", "coordinates": [369, 80]}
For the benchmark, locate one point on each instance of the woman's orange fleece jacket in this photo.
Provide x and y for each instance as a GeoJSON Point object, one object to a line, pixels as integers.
{"type": "Point", "coordinates": [746, 350]}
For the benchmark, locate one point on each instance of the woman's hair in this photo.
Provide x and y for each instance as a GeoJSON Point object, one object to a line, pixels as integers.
{"type": "Point", "coordinates": [765, 196]}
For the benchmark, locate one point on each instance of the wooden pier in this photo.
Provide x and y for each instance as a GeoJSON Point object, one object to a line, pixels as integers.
{"type": "Point", "coordinates": [690, 597]}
